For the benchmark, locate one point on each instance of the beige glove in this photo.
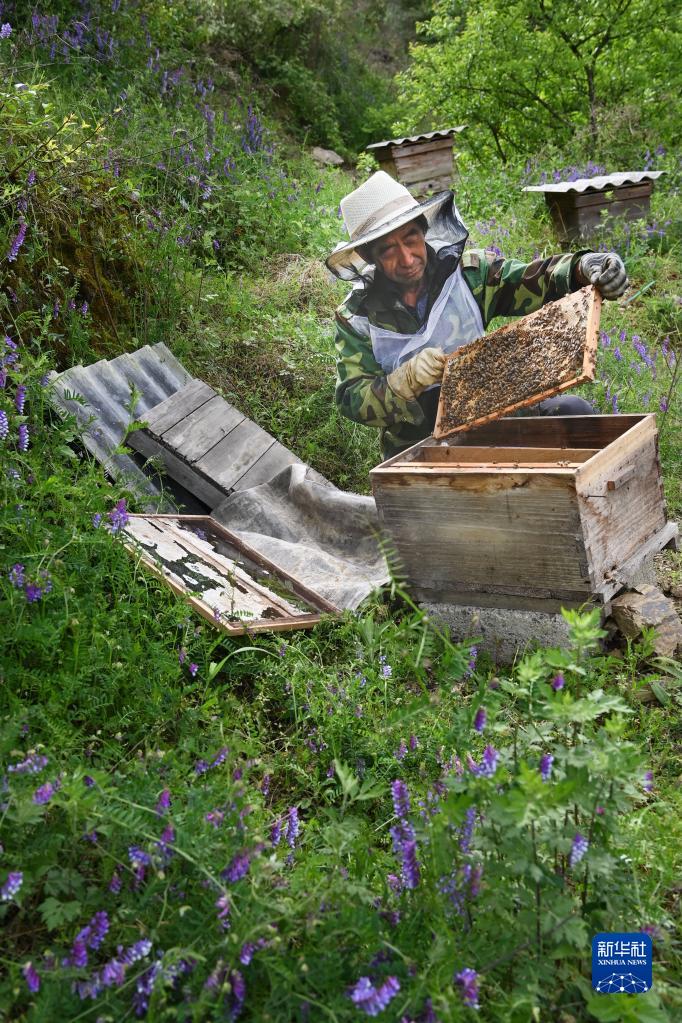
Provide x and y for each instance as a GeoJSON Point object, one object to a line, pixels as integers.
{"type": "Point", "coordinates": [414, 376]}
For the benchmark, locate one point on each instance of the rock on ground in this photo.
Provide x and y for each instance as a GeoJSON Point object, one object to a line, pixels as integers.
{"type": "Point", "coordinates": [646, 607]}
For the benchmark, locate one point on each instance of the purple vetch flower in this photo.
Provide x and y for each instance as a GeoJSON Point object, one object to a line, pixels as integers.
{"type": "Point", "coordinates": [648, 782]}
{"type": "Point", "coordinates": [13, 883]}
{"type": "Point", "coordinates": [5, 30]}
{"type": "Point", "coordinates": [88, 781]}
{"type": "Point", "coordinates": [480, 719]}
{"type": "Point", "coordinates": [237, 868]}
{"type": "Point", "coordinates": [578, 849]}
{"type": "Point", "coordinates": [373, 1000]}
{"type": "Point", "coordinates": [414, 742]}
{"type": "Point", "coordinates": [223, 906]}
{"type": "Point", "coordinates": [401, 752]}
{"type": "Point", "coordinates": [84, 309]}
{"type": "Point", "coordinates": [467, 980]}
{"type": "Point", "coordinates": [33, 764]}
{"type": "Point", "coordinates": [32, 978]}
{"type": "Point", "coordinates": [182, 654]}
{"type": "Point", "coordinates": [385, 668]}
{"type": "Point", "coordinates": [96, 520]}
{"type": "Point", "coordinates": [276, 833]}
{"type": "Point", "coordinates": [118, 516]}
{"type": "Point", "coordinates": [467, 829]}
{"type": "Point", "coordinates": [138, 857]}
{"type": "Point", "coordinates": [401, 798]}
{"type": "Point", "coordinates": [394, 883]}
{"type": "Point", "coordinates": [20, 398]}
{"type": "Point", "coordinates": [193, 669]}
{"type": "Point", "coordinates": [237, 994]}
{"type": "Point", "coordinates": [31, 178]}
{"type": "Point", "coordinates": [488, 764]}
{"type": "Point", "coordinates": [293, 826]}
{"type": "Point", "coordinates": [115, 882]}
{"type": "Point", "coordinates": [164, 802]}
{"type": "Point", "coordinates": [17, 242]}
{"type": "Point", "coordinates": [558, 682]}
{"type": "Point", "coordinates": [22, 442]}
{"type": "Point", "coordinates": [663, 404]}
{"type": "Point", "coordinates": [410, 870]}
{"type": "Point", "coordinates": [44, 794]}
{"type": "Point", "coordinates": [471, 666]}
{"type": "Point", "coordinates": [265, 784]}
{"type": "Point", "coordinates": [4, 424]}
{"type": "Point", "coordinates": [201, 767]}
{"type": "Point", "coordinates": [546, 762]}
{"type": "Point", "coordinates": [220, 756]}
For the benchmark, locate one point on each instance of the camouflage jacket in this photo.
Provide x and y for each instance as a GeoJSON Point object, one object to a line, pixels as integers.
{"type": "Point", "coordinates": [501, 287]}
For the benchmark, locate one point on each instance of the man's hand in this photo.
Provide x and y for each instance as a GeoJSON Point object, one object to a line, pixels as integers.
{"type": "Point", "coordinates": [414, 376]}
{"type": "Point", "coordinates": [606, 271]}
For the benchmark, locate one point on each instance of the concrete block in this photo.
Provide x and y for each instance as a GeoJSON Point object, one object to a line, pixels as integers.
{"type": "Point", "coordinates": [503, 633]}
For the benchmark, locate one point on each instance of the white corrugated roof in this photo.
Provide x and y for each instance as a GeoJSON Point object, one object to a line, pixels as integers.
{"type": "Point", "coordinates": [597, 184]}
{"type": "Point", "coordinates": [424, 137]}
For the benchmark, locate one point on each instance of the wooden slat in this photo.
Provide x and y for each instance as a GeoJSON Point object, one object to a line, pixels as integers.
{"type": "Point", "coordinates": [408, 150]}
{"type": "Point", "coordinates": [196, 483]}
{"type": "Point", "coordinates": [195, 435]}
{"type": "Point", "coordinates": [617, 522]}
{"type": "Point", "coordinates": [231, 459]}
{"type": "Point", "coordinates": [464, 466]}
{"type": "Point", "coordinates": [169, 412]}
{"type": "Point", "coordinates": [492, 455]}
{"type": "Point", "coordinates": [276, 458]}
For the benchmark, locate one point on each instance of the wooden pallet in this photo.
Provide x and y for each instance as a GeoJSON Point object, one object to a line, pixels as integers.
{"type": "Point", "coordinates": [209, 446]}
{"type": "Point", "coordinates": [224, 579]}
{"type": "Point", "coordinates": [552, 350]}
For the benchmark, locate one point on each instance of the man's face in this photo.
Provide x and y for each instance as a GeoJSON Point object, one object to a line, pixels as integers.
{"type": "Point", "coordinates": [401, 255]}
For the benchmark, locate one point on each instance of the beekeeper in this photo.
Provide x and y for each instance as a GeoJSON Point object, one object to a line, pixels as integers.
{"type": "Point", "coordinates": [418, 294]}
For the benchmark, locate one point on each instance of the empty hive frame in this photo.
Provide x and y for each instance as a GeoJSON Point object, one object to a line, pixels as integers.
{"type": "Point", "coordinates": [521, 363]}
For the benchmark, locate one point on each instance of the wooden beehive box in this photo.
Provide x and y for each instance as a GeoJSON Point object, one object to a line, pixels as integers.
{"type": "Point", "coordinates": [423, 163]}
{"type": "Point", "coordinates": [533, 513]}
{"type": "Point", "coordinates": [577, 208]}
{"type": "Point", "coordinates": [521, 363]}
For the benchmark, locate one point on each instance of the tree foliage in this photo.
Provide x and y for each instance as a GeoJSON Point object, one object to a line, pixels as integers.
{"type": "Point", "coordinates": [528, 72]}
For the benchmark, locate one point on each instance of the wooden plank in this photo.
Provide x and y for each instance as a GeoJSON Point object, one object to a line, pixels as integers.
{"type": "Point", "coordinates": [617, 522]}
{"type": "Point", "coordinates": [196, 483]}
{"type": "Point", "coordinates": [268, 465]}
{"type": "Point", "coordinates": [410, 149]}
{"type": "Point", "coordinates": [520, 364]}
{"type": "Point", "coordinates": [195, 435]}
{"type": "Point", "coordinates": [169, 412]}
{"type": "Point", "coordinates": [231, 459]}
{"type": "Point", "coordinates": [513, 531]}
{"type": "Point", "coordinates": [492, 455]}
{"type": "Point", "coordinates": [479, 466]}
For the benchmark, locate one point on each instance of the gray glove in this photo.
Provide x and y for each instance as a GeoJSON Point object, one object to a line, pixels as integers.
{"type": "Point", "coordinates": [606, 271]}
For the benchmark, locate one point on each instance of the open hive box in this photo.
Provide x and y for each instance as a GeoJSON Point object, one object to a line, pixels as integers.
{"type": "Point", "coordinates": [533, 513]}
{"type": "Point", "coordinates": [223, 578]}
{"type": "Point", "coordinates": [521, 363]}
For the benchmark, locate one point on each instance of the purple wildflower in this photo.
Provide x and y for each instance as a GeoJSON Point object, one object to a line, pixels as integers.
{"type": "Point", "coordinates": [410, 865]}
{"type": "Point", "coordinates": [4, 424]}
{"type": "Point", "coordinates": [488, 764]}
{"type": "Point", "coordinates": [276, 833]}
{"type": "Point", "coordinates": [471, 666]}
{"type": "Point", "coordinates": [17, 243]}
{"type": "Point", "coordinates": [238, 993]}
{"type": "Point", "coordinates": [578, 849]}
{"type": "Point", "coordinates": [33, 764]}
{"type": "Point", "coordinates": [480, 719]}
{"type": "Point", "coordinates": [223, 906]}
{"type": "Point", "coordinates": [394, 883]}
{"type": "Point", "coordinates": [374, 1000]}
{"type": "Point", "coordinates": [467, 980]}
{"type": "Point", "coordinates": [31, 178]}
{"type": "Point", "coordinates": [246, 952]}
{"type": "Point", "coordinates": [84, 309]}
{"type": "Point", "coordinates": [138, 857]}
{"type": "Point", "coordinates": [201, 767]}
{"type": "Point", "coordinates": [5, 30]}
{"type": "Point", "coordinates": [237, 868]}
{"type": "Point", "coordinates": [193, 669]}
{"type": "Point", "coordinates": [164, 802]}
{"type": "Point", "coordinates": [401, 798]}
{"type": "Point", "coordinates": [648, 782]}
{"type": "Point", "coordinates": [265, 784]}
{"type": "Point", "coordinates": [182, 654]}
{"type": "Point", "coordinates": [88, 781]}
{"type": "Point", "coordinates": [20, 398]}
{"type": "Point", "coordinates": [467, 829]}
{"type": "Point", "coordinates": [96, 520]}
{"type": "Point", "coordinates": [118, 516]}
{"type": "Point", "coordinates": [44, 794]}
{"type": "Point", "coordinates": [23, 437]}
{"type": "Point", "coordinates": [293, 826]}
{"type": "Point", "coordinates": [558, 682]}
{"type": "Point", "coordinates": [16, 576]}
{"type": "Point", "coordinates": [401, 752]}
{"type": "Point", "coordinates": [115, 882]}
{"type": "Point", "coordinates": [663, 404]}
{"type": "Point", "coordinates": [386, 669]}
{"type": "Point", "coordinates": [414, 742]}
{"type": "Point", "coordinates": [546, 762]}
{"type": "Point", "coordinates": [12, 884]}
{"type": "Point", "coordinates": [32, 978]}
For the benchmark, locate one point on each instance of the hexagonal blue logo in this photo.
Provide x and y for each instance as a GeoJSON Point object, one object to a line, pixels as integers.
{"type": "Point", "coordinates": [622, 962]}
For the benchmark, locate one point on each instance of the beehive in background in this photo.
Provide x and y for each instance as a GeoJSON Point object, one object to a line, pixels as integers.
{"type": "Point", "coordinates": [423, 163]}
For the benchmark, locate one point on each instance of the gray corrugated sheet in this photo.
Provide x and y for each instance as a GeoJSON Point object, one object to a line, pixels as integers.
{"type": "Point", "coordinates": [597, 184]}
{"type": "Point", "coordinates": [424, 137]}
{"type": "Point", "coordinates": [105, 389]}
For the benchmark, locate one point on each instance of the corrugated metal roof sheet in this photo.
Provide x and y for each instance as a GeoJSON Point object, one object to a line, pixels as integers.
{"type": "Point", "coordinates": [104, 389]}
{"type": "Point", "coordinates": [597, 184]}
{"type": "Point", "coordinates": [424, 137]}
